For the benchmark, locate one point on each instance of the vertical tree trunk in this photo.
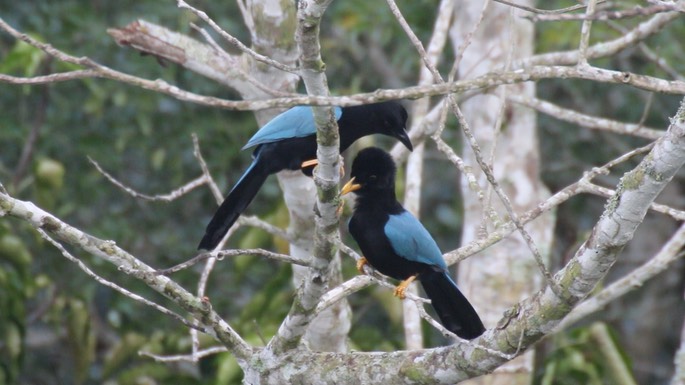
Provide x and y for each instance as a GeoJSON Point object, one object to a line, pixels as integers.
{"type": "Point", "coordinates": [506, 272]}
{"type": "Point", "coordinates": [273, 34]}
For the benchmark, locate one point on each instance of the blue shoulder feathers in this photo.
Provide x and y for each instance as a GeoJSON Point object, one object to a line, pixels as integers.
{"type": "Point", "coordinates": [410, 240]}
{"type": "Point", "coordinates": [296, 122]}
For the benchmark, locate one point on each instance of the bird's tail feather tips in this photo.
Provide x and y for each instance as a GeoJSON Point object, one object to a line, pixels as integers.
{"type": "Point", "coordinates": [453, 309]}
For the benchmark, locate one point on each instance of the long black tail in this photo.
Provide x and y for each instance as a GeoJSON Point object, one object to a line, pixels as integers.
{"type": "Point", "coordinates": [455, 312]}
{"type": "Point", "coordinates": [235, 203]}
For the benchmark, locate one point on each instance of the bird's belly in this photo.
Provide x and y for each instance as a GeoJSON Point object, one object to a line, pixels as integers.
{"type": "Point", "coordinates": [394, 266]}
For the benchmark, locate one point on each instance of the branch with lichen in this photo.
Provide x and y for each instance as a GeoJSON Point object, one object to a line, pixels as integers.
{"type": "Point", "coordinates": [493, 79]}
{"type": "Point", "coordinates": [531, 319]}
{"type": "Point", "coordinates": [200, 309]}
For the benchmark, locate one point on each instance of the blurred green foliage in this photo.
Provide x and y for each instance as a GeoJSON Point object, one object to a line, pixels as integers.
{"type": "Point", "coordinates": [59, 326]}
{"type": "Point", "coordinates": [586, 356]}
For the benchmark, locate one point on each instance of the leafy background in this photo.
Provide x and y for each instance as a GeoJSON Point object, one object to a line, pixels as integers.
{"type": "Point", "coordinates": [59, 326]}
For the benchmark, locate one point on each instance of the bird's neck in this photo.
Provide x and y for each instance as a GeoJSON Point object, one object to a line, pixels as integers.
{"type": "Point", "coordinates": [356, 122]}
{"type": "Point", "coordinates": [379, 201]}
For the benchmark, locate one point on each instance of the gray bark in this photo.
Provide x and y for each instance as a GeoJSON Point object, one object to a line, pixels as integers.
{"type": "Point", "coordinates": [505, 273]}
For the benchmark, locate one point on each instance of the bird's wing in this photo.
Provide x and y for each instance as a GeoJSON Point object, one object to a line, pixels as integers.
{"type": "Point", "coordinates": [296, 122]}
{"type": "Point", "coordinates": [410, 240]}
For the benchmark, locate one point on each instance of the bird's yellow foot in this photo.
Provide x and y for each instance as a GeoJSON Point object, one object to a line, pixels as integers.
{"type": "Point", "coordinates": [360, 265]}
{"type": "Point", "coordinates": [340, 208]}
{"type": "Point", "coordinates": [309, 163]}
{"type": "Point", "coordinates": [314, 162]}
{"type": "Point", "coordinates": [400, 289]}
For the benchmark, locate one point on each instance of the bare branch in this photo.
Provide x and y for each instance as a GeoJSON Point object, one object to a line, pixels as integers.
{"type": "Point", "coordinates": [179, 192]}
{"type": "Point", "coordinates": [555, 200]}
{"type": "Point", "coordinates": [52, 78]}
{"type": "Point", "coordinates": [612, 15]}
{"type": "Point", "coordinates": [588, 187]}
{"type": "Point", "coordinates": [668, 254]}
{"type": "Point", "coordinates": [649, 53]}
{"type": "Point", "coordinates": [585, 33]}
{"type": "Point", "coordinates": [475, 147]}
{"type": "Point", "coordinates": [414, 40]}
{"type": "Point", "coordinates": [482, 82]}
{"type": "Point", "coordinates": [345, 289]}
{"type": "Point", "coordinates": [234, 41]}
{"type": "Point", "coordinates": [218, 196]}
{"type": "Point", "coordinates": [261, 86]}
{"type": "Point", "coordinates": [195, 357]}
{"type": "Point", "coordinates": [603, 49]}
{"type": "Point", "coordinates": [221, 254]}
{"type": "Point", "coordinates": [544, 11]}
{"type": "Point", "coordinates": [533, 318]}
{"type": "Point", "coordinates": [587, 121]}
{"type": "Point", "coordinates": [326, 177]}
{"type": "Point", "coordinates": [210, 322]}
{"type": "Point", "coordinates": [113, 285]}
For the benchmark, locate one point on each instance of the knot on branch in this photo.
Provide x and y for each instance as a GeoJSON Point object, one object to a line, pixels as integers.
{"type": "Point", "coordinates": [626, 77]}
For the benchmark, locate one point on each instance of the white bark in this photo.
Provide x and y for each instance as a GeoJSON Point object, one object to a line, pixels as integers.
{"type": "Point", "coordinates": [506, 272]}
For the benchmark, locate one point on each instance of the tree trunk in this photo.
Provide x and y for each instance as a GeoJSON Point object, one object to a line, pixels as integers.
{"type": "Point", "coordinates": [273, 34]}
{"type": "Point", "coordinates": [505, 273]}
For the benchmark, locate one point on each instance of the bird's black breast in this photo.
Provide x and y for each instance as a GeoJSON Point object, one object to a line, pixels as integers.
{"type": "Point", "coordinates": [367, 228]}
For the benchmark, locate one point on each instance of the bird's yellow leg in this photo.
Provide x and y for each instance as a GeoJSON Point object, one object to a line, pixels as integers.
{"type": "Point", "coordinates": [309, 163]}
{"type": "Point", "coordinates": [399, 290]}
{"type": "Point", "coordinates": [314, 162]}
{"type": "Point", "coordinates": [360, 264]}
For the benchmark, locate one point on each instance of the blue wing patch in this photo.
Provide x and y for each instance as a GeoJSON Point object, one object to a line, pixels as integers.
{"type": "Point", "coordinates": [410, 240]}
{"type": "Point", "coordinates": [296, 122]}
{"type": "Point", "coordinates": [254, 162]}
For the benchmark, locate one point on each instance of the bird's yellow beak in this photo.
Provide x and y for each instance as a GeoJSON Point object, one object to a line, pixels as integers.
{"type": "Point", "coordinates": [349, 187]}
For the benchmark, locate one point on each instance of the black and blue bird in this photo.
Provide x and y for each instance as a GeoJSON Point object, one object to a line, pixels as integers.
{"type": "Point", "coordinates": [288, 142]}
{"type": "Point", "coordinates": [396, 244]}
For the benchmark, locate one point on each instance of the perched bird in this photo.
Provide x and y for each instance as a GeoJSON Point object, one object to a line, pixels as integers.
{"type": "Point", "coordinates": [395, 243]}
{"type": "Point", "coordinates": [288, 142]}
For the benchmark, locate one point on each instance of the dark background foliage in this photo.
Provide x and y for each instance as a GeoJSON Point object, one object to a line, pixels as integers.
{"type": "Point", "coordinates": [59, 326]}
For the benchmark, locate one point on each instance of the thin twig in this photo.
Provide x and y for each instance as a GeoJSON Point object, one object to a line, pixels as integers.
{"type": "Point", "coordinates": [585, 33]}
{"type": "Point", "coordinates": [218, 196]}
{"type": "Point", "coordinates": [30, 142]}
{"type": "Point", "coordinates": [539, 11]}
{"type": "Point", "coordinates": [195, 357]}
{"type": "Point", "coordinates": [52, 78]}
{"type": "Point", "coordinates": [588, 121]}
{"type": "Point", "coordinates": [555, 200]}
{"type": "Point", "coordinates": [592, 188]}
{"type": "Point", "coordinates": [221, 254]}
{"type": "Point", "coordinates": [116, 287]}
{"type": "Point", "coordinates": [482, 82]}
{"type": "Point", "coordinates": [606, 48]}
{"type": "Point", "coordinates": [475, 147]}
{"type": "Point", "coordinates": [649, 53]}
{"type": "Point", "coordinates": [250, 79]}
{"type": "Point", "coordinates": [669, 253]}
{"type": "Point", "coordinates": [175, 194]}
{"type": "Point", "coordinates": [604, 15]}
{"type": "Point", "coordinates": [234, 41]}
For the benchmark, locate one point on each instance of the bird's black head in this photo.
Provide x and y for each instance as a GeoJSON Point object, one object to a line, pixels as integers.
{"type": "Point", "coordinates": [373, 173]}
{"type": "Point", "coordinates": [387, 118]}
{"type": "Point", "coordinates": [393, 120]}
